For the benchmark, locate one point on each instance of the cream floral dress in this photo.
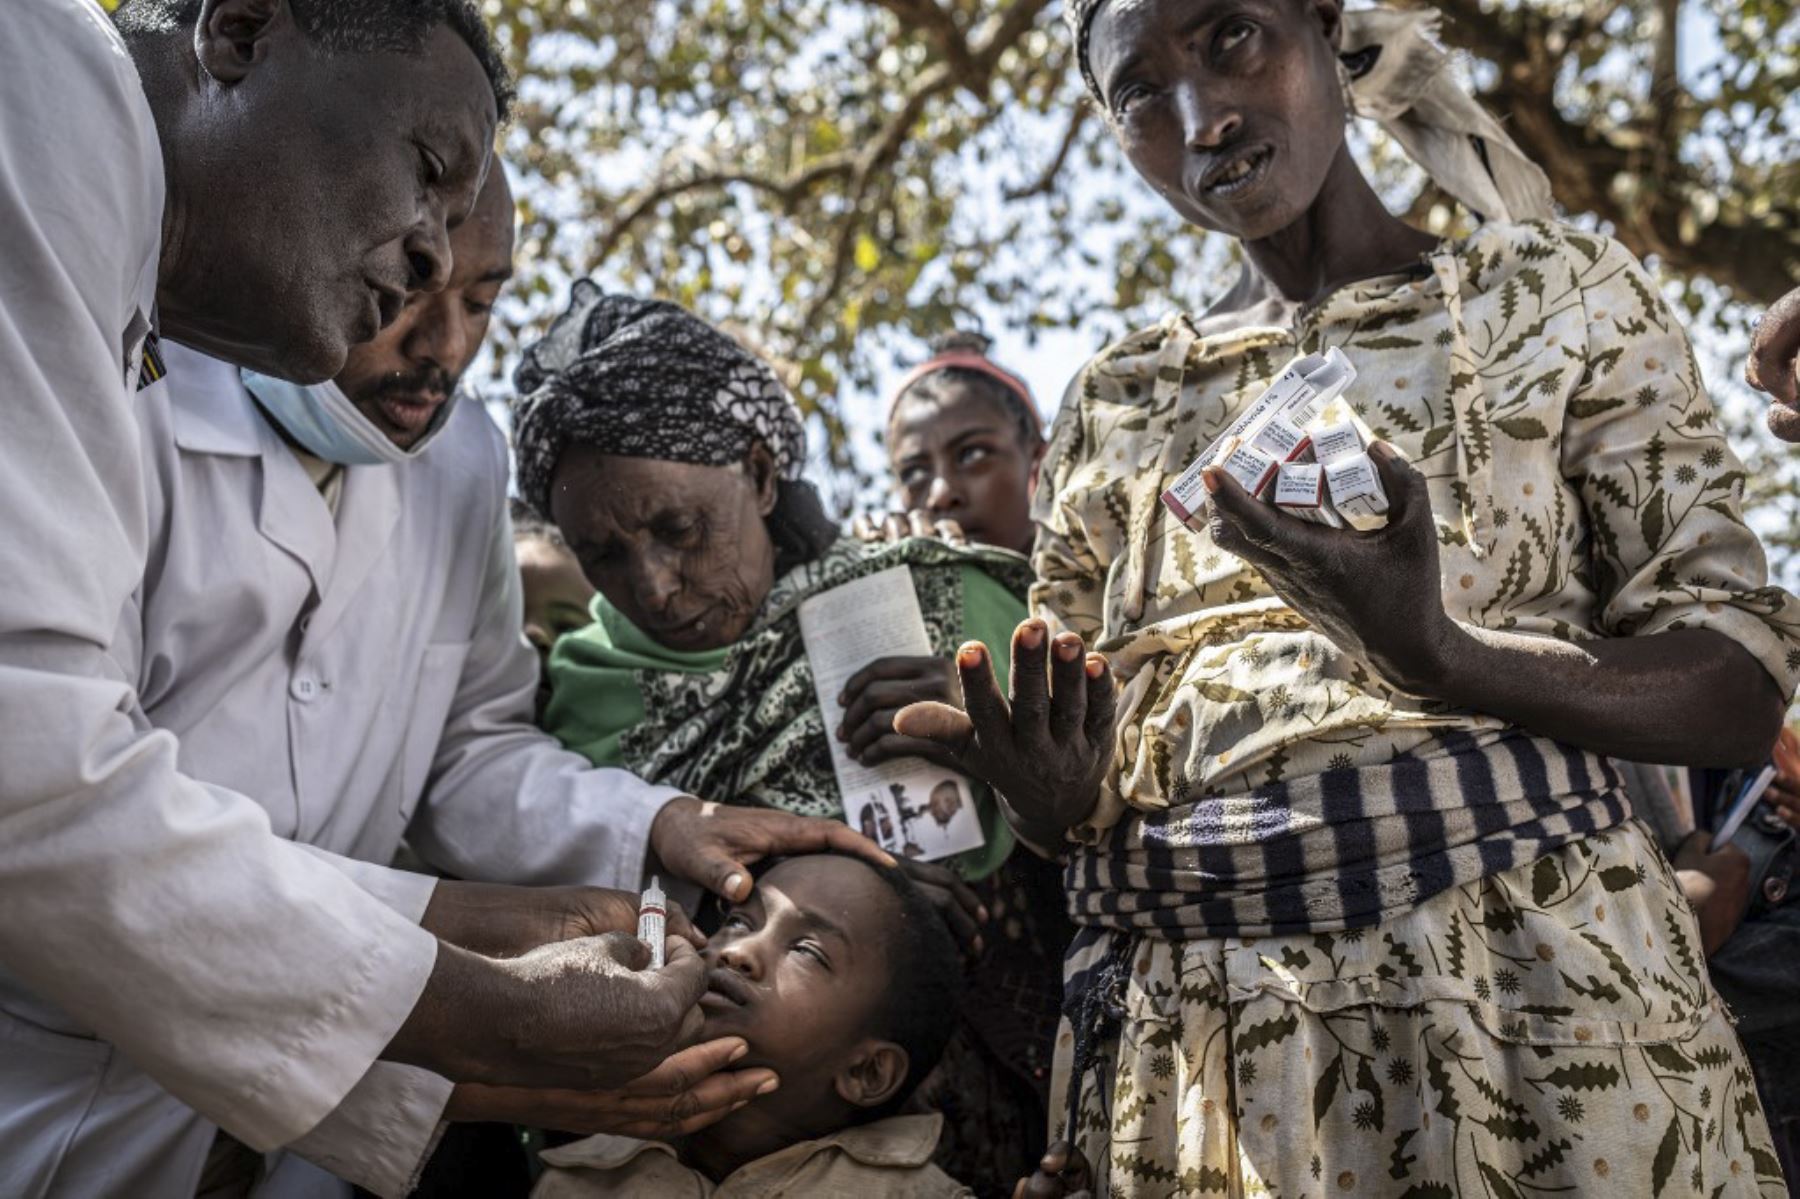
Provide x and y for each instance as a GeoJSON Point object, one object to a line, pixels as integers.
{"type": "Point", "coordinates": [1548, 1029]}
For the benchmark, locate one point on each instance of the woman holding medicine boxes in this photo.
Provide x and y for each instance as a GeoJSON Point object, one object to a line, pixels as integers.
{"type": "Point", "coordinates": [1362, 905]}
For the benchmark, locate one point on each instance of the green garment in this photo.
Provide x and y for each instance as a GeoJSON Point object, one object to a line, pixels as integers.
{"type": "Point", "coordinates": [742, 724]}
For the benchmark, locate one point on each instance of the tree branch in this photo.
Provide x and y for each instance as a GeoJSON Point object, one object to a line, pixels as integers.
{"type": "Point", "coordinates": [1047, 177]}
{"type": "Point", "coordinates": [1667, 97]}
{"type": "Point", "coordinates": [1012, 25]}
{"type": "Point", "coordinates": [878, 155]}
{"type": "Point", "coordinates": [1583, 160]}
{"type": "Point", "coordinates": [961, 64]}
{"type": "Point", "coordinates": [788, 189]}
{"type": "Point", "coordinates": [940, 29]}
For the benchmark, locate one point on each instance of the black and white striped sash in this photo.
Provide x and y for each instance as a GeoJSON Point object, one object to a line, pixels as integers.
{"type": "Point", "coordinates": [1346, 848]}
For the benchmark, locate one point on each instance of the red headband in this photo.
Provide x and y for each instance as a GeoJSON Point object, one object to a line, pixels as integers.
{"type": "Point", "coordinates": [969, 360]}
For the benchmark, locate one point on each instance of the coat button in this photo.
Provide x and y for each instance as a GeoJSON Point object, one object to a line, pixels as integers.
{"type": "Point", "coordinates": [303, 689]}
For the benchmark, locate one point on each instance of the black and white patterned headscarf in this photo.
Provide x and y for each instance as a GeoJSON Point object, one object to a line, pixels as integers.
{"type": "Point", "coordinates": [649, 379]}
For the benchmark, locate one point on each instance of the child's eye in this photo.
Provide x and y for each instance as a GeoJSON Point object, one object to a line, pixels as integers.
{"type": "Point", "coordinates": [973, 454]}
{"type": "Point", "coordinates": [1234, 32]}
{"type": "Point", "coordinates": [812, 950]}
{"type": "Point", "coordinates": [736, 920]}
{"type": "Point", "coordinates": [914, 476]}
{"type": "Point", "coordinates": [431, 168]}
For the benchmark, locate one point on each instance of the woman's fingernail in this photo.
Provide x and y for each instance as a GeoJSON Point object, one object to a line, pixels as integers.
{"type": "Point", "coordinates": [1096, 666]}
{"type": "Point", "coordinates": [733, 881]}
{"type": "Point", "coordinates": [1032, 636]}
{"type": "Point", "coordinates": [1068, 648]}
{"type": "Point", "coordinates": [1209, 478]}
{"type": "Point", "coordinates": [981, 914]}
{"type": "Point", "coordinates": [769, 1087]}
{"type": "Point", "coordinates": [969, 657]}
{"type": "Point", "coordinates": [740, 1051]}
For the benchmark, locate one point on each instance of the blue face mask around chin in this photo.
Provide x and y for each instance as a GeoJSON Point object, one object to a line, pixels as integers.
{"type": "Point", "coordinates": [323, 420]}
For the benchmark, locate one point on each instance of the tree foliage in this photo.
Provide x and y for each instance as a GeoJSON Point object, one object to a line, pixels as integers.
{"type": "Point", "coordinates": [840, 177]}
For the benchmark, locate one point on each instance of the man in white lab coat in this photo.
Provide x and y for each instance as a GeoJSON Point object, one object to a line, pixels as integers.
{"type": "Point", "coordinates": [330, 622]}
{"type": "Point", "coordinates": [268, 183]}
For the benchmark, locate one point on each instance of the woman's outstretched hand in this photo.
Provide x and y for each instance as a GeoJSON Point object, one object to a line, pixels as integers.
{"type": "Point", "coordinates": [1047, 751]}
{"type": "Point", "coordinates": [1376, 595]}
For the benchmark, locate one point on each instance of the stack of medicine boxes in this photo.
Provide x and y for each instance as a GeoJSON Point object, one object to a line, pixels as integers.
{"type": "Point", "coordinates": [1298, 446]}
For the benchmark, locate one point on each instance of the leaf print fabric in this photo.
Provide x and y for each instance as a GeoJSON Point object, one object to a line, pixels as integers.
{"type": "Point", "coordinates": [1581, 484]}
{"type": "Point", "coordinates": [1545, 1027]}
{"type": "Point", "coordinates": [1549, 1030]}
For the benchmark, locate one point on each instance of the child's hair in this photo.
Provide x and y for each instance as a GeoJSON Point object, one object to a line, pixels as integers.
{"type": "Point", "coordinates": [527, 524]}
{"type": "Point", "coordinates": [925, 979]}
{"type": "Point", "coordinates": [1015, 401]}
{"type": "Point", "coordinates": [925, 983]}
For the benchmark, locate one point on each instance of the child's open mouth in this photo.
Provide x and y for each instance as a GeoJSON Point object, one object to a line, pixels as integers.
{"type": "Point", "coordinates": [726, 988]}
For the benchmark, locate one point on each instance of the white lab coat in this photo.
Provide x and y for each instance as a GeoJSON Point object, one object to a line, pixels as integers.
{"type": "Point", "coordinates": [149, 926]}
{"type": "Point", "coordinates": [361, 678]}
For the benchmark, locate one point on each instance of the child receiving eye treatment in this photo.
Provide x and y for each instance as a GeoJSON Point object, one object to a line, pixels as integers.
{"type": "Point", "coordinates": [844, 980]}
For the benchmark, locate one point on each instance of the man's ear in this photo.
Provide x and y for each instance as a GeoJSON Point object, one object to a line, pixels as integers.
{"type": "Point", "coordinates": [874, 1075]}
{"type": "Point", "coordinates": [760, 465]}
{"type": "Point", "coordinates": [233, 37]}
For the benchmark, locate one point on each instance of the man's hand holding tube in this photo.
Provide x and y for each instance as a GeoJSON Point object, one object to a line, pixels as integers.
{"type": "Point", "coordinates": [1046, 752]}
{"type": "Point", "coordinates": [581, 1015]}
{"type": "Point", "coordinates": [593, 1041]}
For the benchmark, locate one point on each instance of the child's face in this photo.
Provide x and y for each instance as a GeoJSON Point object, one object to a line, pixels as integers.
{"type": "Point", "coordinates": [556, 592]}
{"type": "Point", "coordinates": [959, 454]}
{"type": "Point", "coordinates": [799, 969]}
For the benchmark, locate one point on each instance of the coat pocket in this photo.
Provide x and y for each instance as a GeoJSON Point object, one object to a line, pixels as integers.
{"type": "Point", "coordinates": [440, 675]}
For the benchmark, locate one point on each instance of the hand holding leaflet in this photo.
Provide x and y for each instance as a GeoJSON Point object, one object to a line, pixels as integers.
{"type": "Point", "coordinates": [910, 807]}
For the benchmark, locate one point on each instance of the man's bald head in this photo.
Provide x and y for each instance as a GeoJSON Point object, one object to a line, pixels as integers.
{"type": "Point", "coordinates": [400, 379]}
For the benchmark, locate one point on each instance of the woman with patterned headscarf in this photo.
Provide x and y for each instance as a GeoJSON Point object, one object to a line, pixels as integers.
{"type": "Point", "coordinates": [1362, 907]}
{"type": "Point", "coordinates": [672, 460]}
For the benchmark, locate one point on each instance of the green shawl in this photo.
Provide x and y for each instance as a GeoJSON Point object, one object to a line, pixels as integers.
{"type": "Point", "coordinates": [741, 724]}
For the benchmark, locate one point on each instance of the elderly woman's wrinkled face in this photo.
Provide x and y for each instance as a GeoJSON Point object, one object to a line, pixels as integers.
{"type": "Point", "coordinates": [683, 552]}
{"type": "Point", "coordinates": [1231, 109]}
